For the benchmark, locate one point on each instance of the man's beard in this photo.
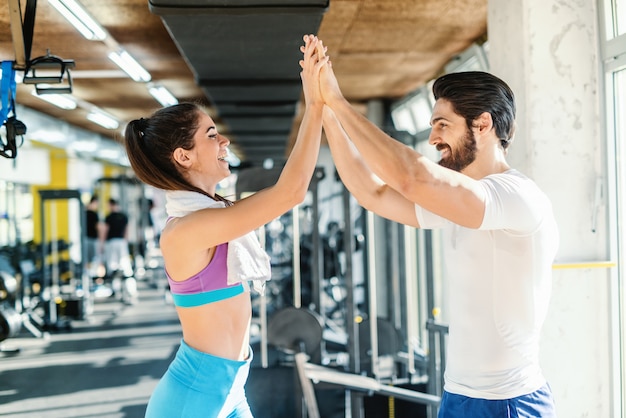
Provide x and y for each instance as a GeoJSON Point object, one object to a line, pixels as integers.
{"type": "Point", "coordinates": [459, 159]}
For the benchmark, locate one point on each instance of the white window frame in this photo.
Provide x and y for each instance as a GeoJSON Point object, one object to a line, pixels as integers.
{"type": "Point", "coordinates": [613, 49]}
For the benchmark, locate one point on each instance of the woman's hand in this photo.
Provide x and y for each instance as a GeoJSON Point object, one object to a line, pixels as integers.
{"type": "Point", "coordinates": [314, 60]}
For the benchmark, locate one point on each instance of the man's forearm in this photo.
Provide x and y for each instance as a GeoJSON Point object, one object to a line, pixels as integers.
{"type": "Point", "coordinates": [387, 158]}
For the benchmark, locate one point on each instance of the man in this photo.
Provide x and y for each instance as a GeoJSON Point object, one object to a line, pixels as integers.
{"type": "Point", "coordinates": [500, 236]}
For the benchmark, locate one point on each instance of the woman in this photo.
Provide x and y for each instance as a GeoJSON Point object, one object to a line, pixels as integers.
{"type": "Point", "coordinates": [208, 240]}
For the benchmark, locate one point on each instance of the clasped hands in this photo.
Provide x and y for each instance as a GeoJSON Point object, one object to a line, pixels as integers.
{"type": "Point", "coordinates": [317, 70]}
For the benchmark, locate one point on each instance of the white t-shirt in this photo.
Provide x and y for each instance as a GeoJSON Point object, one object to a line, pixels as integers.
{"type": "Point", "coordinates": [499, 284]}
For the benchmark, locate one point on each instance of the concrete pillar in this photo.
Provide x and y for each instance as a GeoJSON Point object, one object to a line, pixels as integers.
{"type": "Point", "coordinates": [547, 51]}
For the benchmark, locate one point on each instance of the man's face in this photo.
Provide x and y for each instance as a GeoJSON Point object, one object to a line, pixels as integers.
{"type": "Point", "coordinates": [462, 155]}
{"type": "Point", "coordinates": [451, 136]}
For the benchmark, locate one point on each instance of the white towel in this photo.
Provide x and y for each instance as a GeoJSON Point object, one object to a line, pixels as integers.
{"type": "Point", "coordinates": [246, 260]}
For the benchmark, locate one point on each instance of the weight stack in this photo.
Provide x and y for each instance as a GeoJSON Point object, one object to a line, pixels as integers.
{"type": "Point", "coordinates": [72, 308]}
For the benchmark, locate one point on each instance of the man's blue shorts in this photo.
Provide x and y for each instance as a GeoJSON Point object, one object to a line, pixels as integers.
{"type": "Point", "coordinates": [538, 404]}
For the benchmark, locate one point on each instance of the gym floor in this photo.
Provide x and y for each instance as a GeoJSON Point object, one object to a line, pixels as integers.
{"type": "Point", "coordinates": [105, 366]}
{"type": "Point", "coordinates": [108, 365]}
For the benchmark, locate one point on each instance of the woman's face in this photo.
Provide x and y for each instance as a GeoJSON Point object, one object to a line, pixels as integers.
{"type": "Point", "coordinates": [210, 150]}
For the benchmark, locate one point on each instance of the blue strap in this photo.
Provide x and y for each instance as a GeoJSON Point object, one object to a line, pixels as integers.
{"type": "Point", "coordinates": [7, 90]}
{"type": "Point", "coordinates": [190, 300]}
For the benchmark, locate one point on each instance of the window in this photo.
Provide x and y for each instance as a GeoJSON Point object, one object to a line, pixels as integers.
{"type": "Point", "coordinates": [619, 133]}
{"type": "Point", "coordinates": [619, 20]}
{"type": "Point", "coordinates": [614, 60]}
{"type": "Point", "coordinates": [413, 113]}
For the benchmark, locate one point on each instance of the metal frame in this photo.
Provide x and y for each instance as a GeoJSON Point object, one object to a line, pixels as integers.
{"type": "Point", "coordinates": [366, 384]}
{"type": "Point", "coordinates": [613, 60]}
{"type": "Point", "coordinates": [62, 194]}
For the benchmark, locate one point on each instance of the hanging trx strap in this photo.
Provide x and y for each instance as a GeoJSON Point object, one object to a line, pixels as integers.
{"type": "Point", "coordinates": [7, 90]}
{"type": "Point", "coordinates": [13, 126]}
{"type": "Point", "coordinates": [8, 86]}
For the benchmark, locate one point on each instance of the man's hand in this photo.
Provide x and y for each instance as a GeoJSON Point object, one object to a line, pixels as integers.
{"type": "Point", "coordinates": [328, 84]}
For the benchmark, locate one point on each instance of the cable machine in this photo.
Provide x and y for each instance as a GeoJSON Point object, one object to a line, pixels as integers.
{"type": "Point", "coordinates": [284, 239]}
{"type": "Point", "coordinates": [375, 348]}
{"type": "Point", "coordinates": [21, 288]}
{"type": "Point", "coordinates": [66, 286]}
{"type": "Point", "coordinates": [384, 357]}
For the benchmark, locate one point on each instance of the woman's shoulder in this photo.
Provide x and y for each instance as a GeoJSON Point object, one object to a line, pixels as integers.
{"type": "Point", "coordinates": [169, 232]}
{"type": "Point", "coordinates": [184, 255]}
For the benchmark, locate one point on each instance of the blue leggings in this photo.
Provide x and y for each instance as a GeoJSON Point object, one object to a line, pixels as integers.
{"type": "Point", "coordinates": [197, 384]}
{"type": "Point", "coordinates": [534, 405]}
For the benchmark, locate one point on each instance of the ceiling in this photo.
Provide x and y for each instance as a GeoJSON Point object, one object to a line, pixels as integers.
{"type": "Point", "coordinates": [240, 58]}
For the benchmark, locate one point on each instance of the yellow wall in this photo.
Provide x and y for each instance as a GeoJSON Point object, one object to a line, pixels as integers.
{"type": "Point", "coordinates": [109, 171]}
{"type": "Point", "coordinates": [55, 211]}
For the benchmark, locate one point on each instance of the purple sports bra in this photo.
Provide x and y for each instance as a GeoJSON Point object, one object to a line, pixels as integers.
{"type": "Point", "coordinates": [207, 286]}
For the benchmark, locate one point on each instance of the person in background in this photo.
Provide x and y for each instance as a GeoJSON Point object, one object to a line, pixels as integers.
{"type": "Point", "coordinates": [500, 236]}
{"type": "Point", "coordinates": [116, 253]}
{"type": "Point", "coordinates": [92, 241]}
{"type": "Point", "coordinates": [209, 245]}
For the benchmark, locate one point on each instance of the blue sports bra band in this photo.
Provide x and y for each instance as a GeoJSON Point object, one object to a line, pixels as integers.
{"type": "Point", "coordinates": [203, 298]}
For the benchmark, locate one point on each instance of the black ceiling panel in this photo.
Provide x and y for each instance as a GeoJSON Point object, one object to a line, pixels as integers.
{"type": "Point", "coordinates": [273, 124]}
{"type": "Point", "coordinates": [244, 55]}
{"type": "Point", "coordinates": [262, 137]}
{"type": "Point", "coordinates": [242, 91]}
{"type": "Point", "coordinates": [256, 108]}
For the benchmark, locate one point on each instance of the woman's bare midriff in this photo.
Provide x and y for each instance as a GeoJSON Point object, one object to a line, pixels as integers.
{"type": "Point", "coordinates": [219, 328]}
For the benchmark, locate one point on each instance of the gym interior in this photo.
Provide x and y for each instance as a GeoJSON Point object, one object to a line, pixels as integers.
{"type": "Point", "coordinates": [353, 320]}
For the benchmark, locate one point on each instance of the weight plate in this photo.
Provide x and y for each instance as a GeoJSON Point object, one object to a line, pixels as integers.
{"type": "Point", "coordinates": [291, 327]}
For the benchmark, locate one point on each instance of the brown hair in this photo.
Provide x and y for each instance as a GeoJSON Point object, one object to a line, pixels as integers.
{"type": "Point", "coordinates": [474, 92]}
{"type": "Point", "coordinates": [150, 145]}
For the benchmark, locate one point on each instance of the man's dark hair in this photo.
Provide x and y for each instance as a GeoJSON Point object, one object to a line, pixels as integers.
{"type": "Point", "coordinates": [474, 92]}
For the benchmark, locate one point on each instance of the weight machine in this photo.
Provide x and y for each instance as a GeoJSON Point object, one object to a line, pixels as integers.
{"type": "Point", "coordinates": [375, 353]}
{"type": "Point", "coordinates": [17, 264]}
{"type": "Point", "coordinates": [383, 354]}
{"type": "Point", "coordinates": [10, 319]}
{"type": "Point", "coordinates": [65, 284]}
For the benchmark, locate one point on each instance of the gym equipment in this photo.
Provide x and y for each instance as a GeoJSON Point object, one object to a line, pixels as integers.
{"type": "Point", "coordinates": [70, 298]}
{"type": "Point", "coordinates": [133, 202]}
{"type": "Point", "coordinates": [369, 322]}
{"type": "Point", "coordinates": [21, 287]}
{"type": "Point", "coordinates": [388, 339]}
{"type": "Point", "coordinates": [366, 384]}
{"type": "Point", "coordinates": [283, 241]}
{"type": "Point", "coordinates": [29, 299]}
{"type": "Point", "coordinates": [10, 322]}
{"type": "Point", "coordinates": [10, 319]}
{"type": "Point", "coordinates": [436, 360]}
{"type": "Point", "coordinates": [306, 387]}
{"type": "Point", "coordinates": [297, 330]}
{"type": "Point", "coordinates": [8, 287]}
